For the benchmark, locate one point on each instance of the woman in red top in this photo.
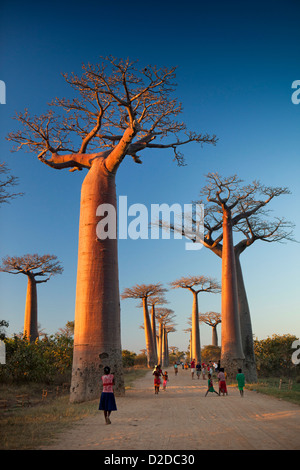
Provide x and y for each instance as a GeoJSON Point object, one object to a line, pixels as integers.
{"type": "Point", "coordinates": [107, 399]}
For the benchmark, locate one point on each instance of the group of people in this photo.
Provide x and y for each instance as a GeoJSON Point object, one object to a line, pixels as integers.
{"type": "Point", "coordinates": [107, 400]}
{"type": "Point", "coordinates": [240, 378]}
{"type": "Point", "coordinates": [203, 368]}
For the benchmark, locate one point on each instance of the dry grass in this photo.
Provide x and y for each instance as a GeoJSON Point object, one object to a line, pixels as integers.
{"type": "Point", "coordinates": [24, 428]}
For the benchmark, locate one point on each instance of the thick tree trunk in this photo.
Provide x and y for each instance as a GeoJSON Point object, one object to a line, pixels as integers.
{"type": "Point", "coordinates": [214, 339]}
{"type": "Point", "coordinates": [167, 350]}
{"type": "Point", "coordinates": [164, 349]}
{"type": "Point", "coordinates": [153, 328]}
{"type": "Point", "coordinates": [231, 348]}
{"type": "Point", "coordinates": [151, 357]}
{"type": "Point", "coordinates": [160, 344]}
{"type": "Point", "coordinates": [246, 326]}
{"type": "Point", "coordinates": [97, 337]}
{"type": "Point", "coordinates": [30, 320]}
{"type": "Point", "coordinates": [195, 349]}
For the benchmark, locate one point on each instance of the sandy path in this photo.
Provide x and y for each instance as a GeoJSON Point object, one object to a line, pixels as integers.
{"type": "Point", "coordinates": [182, 418]}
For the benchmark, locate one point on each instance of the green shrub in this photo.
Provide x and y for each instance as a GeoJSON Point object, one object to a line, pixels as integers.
{"type": "Point", "coordinates": [41, 361]}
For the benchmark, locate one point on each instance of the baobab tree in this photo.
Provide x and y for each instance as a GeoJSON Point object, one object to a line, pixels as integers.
{"type": "Point", "coordinates": [168, 328]}
{"type": "Point", "coordinates": [196, 284]}
{"type": "Point", "coordinates": [231, 206]}
{"type": "Point", "coordinates": [118, 111]}
{"type": "Point", "coordinates": [164, 318]}
{"type": "Point", "coordinates": [252, 229]}
{"type": "Point", "coordinates": [152, 302]}
{"type": "Point", "coordinates": [143, 292]}
{"type": "Point", "coordinates": [212, 319]}
{"type": "Point", "coordinates": [248, 207]}
{"type": "Point", "coordinates": [38, 269]}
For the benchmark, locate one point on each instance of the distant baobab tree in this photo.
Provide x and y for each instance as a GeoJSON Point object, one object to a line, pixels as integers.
{"type": "Point", "coordinates": [143, 292]}
{"type": "Point", "coordinates": [118, 110]}
{"type": "Point", "coordinates": [7, 181]}
{"type": "Point", "coordinates": [38, 269]}
{"type": "Point", "coordinates": [153, 301]}
{"type": "Point", "coordinates": [169, 328]}
{"type": "Point", "coordinates": [165, 317]}
{"type": "Point", "coordinates": [189, 330]}
{"type": "Point", "coordinates": [212, 319]}
{"type": "Point", "coordinates": [196, 284]}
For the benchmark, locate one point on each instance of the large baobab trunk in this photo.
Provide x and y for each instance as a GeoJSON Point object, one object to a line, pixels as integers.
{"type": "Point", "coordinates": [246, 326]}
{"type": "Point", "coordinates": [153, 327]}
{"type": "Point", "coordinates": [191, 349]}
{"type": "Point", "coordinates": [195, 346]}
{"type": "Point", "coordinates": [151, 357]}
{"type": "Point", "coordinates": [164, 348]}
{"type": "Point", "coordinates": [30, 320]}
{"type": "Point", "coordinates": [160, 343]}
{"type": "Point", "coordinates": [97, 337]}
{"type": "Point", "coordinates": [214, 339]}
{"type": "Point", "coordinates": [232, 352]}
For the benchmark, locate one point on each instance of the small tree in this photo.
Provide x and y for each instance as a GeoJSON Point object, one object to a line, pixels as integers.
{"type": "Point", "coordinates": [196, 284]}
{"type": "Point", "coordinates": [144, 291]}
{"type": "Point", "coordinates": [153, 301]}
{"type": "Point", "coordinates": [164, 317]}
{"type": "Point", "coordinates": [212, 319]}
{"type": "Point", "coordinates": [34, 267]}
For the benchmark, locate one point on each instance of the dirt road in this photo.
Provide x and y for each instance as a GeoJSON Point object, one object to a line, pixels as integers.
{"type": "Point", "coordinates": [182, 418]}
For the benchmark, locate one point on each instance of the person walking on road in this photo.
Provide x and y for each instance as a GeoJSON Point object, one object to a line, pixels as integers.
{"type": "Point", "coordinates": [107, 399]}
{"type": "Point", "coordinates": [210, 386]}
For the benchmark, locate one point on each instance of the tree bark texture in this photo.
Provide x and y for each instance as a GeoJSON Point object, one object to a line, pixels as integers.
{"type": "Point", "coordinates": [153, 328]}
{"type": "Point", "coordinates": [151, 358]}
{"type": "Point", "coordinates": [97, 336]}
{"type": "Point", "coordinates": [214, 339]}
{"type": "Point", "coordinates": [231, 348]}
{"type": "Point", "coordinates": [249, 368]}
{"type": "Point", "coordinates": [30, 320]}
{"type": "Point", "coordinates": [164, 349]}
{"type": "Point", "coordinates": [160, 344]}
{"type": "Point", "coordinates": [196, 348]}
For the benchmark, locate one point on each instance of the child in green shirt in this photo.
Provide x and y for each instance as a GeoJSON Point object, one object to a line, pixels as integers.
{"type": "Point", "coordinates": [210, 387]}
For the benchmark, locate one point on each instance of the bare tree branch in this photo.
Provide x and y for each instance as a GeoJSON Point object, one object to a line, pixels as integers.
{"type": "Point", "coordinates": [32, 265]}
{"type": "Point", "coordinates": [5, 184]}
{"type": "Point", "coordinates": [205, 284]}
{"type": "Point", "coordinates": [115, 103]}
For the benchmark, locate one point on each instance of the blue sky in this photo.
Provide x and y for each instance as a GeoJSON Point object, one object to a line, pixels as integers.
{"type": "Point", "coordinates": [236, 62]}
